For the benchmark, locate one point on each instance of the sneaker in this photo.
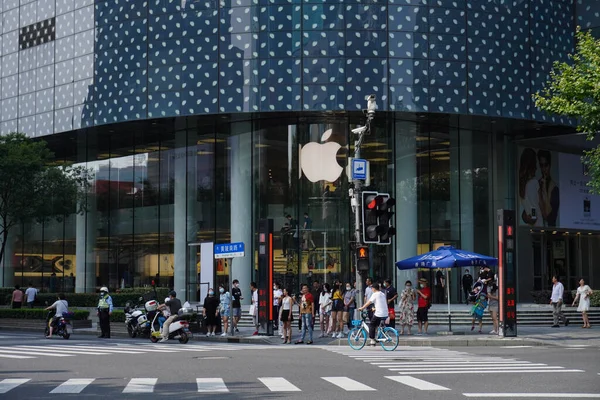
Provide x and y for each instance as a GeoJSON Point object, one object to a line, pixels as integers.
{"type": "Point", "coordinates": [237, 330]}
{"type": "Point", "coordinates": [224, 334]}
{"type": "Point", "coordinates": [255, 333]}
{"type": "Point", "coordinates": [333, 335]}
{"type": "Point", "coordinates": [163, 340]}
{"type": "Point", "coordinates": [555, 326]}
{"type": "Point", "coordinates": [493, 333]}
{"type": "Point", "coordinates": [208, 334]}
{"type": "Point", "coordinates": [340, 335]}
{"type": "Point", "coordinates": [309, 342]}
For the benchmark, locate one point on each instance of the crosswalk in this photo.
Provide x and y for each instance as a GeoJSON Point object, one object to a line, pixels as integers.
{"type": "Point", "coordinates": [434, 361]}
{"type": "Point", "coordinates": [212, 385]}
{"type": "Point", "coordinates": [94, 349]}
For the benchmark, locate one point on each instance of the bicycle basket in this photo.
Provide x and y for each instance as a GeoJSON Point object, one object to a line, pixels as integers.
{"type": "Point", "coordinates": [356, 322]}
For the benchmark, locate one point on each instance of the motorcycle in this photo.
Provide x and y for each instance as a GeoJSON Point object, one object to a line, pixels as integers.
{"type": "Point", "coordinates": [179, 328]}
{"type": "Point", "coordinates": [63, 325]}
{"type": "Point", "coordinates": [136, 320]}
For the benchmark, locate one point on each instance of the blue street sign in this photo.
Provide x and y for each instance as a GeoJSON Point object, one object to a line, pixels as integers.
{"type": "Point", "coordinates": [229, 250]}
{"type": "Point", "coordinates": [359, 168]}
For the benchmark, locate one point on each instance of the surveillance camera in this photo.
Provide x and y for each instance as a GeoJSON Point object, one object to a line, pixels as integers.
{"type": "Point", "coordinates": [359, 130]}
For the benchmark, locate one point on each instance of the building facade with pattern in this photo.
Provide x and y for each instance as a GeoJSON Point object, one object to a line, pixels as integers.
{"type": "Point", "coordinates": [199, 117]}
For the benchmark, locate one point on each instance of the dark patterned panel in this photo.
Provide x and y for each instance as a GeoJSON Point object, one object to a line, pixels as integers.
{"type": "Point", "coordinates": [38, 33]}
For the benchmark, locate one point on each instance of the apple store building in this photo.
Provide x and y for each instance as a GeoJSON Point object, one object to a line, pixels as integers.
{"type": "Point", "coordinates": [198, 118]}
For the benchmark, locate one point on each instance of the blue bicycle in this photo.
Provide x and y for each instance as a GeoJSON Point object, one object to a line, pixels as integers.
{"type": "Point", "coordinates": [386, 336]}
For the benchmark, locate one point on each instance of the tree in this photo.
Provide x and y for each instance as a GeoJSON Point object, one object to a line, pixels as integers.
{"type": "Point", "coordinates": [574, 90]}
{"type": "Point", "coordinates": [33, 190]}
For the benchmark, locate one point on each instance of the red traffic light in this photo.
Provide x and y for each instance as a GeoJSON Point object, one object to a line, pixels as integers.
{"type": "Point", "coordinates": [372, 204]}
{"type": "Point", "coordinates": [363, 252]}
{"type": "Point", "coordinates": [509, 230]}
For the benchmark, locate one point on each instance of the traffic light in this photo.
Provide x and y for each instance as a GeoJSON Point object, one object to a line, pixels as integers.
{"type": "Point", "coordinates": [362, 258]}
{"type": "Point", "coordinates": [369, 217]}
{"type": "Point", "coordinates": [385, 215]}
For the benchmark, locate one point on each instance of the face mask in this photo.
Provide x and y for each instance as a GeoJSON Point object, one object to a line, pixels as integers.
{"type": "Point", "coordinates": [274, 287]}
{"type": "Point", "coordinates": [348, 288]}
{"type": "Point", "coordinates": [422, 286]}
{"type": "Point", "coordinates": [385, 285]}
{"type": "Point", "coordinates": [210, 292]}
{"type": "Point", "coordinates": [221, 290]}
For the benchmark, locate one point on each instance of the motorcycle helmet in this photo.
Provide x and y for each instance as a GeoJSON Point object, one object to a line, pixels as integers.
{"type": "Point", "coordinates": [104, 289]}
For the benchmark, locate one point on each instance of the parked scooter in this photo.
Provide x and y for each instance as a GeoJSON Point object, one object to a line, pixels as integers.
{"type": "Point", "coordinates": [63, 326]}
{"type": "Point", "coordinates": [136, 319]}
{"type": "Point", "coordinates": [179, 329]}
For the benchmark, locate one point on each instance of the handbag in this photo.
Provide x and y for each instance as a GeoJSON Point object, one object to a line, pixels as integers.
{"type": "Point", "coordinates": [252, 310]}
{"type": "Point", "coordinates": [392, 313]}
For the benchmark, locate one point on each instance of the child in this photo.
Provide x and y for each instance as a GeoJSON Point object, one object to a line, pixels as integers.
{"type": "Point", "coordinates": [477, 310]}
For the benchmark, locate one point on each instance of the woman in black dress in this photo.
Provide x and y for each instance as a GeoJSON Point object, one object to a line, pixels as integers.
{"type": "Point", "coordinates": [211, 313]}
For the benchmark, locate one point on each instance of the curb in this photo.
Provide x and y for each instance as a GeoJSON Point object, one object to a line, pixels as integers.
{"type": "Point", "coordinates": [488, 342]}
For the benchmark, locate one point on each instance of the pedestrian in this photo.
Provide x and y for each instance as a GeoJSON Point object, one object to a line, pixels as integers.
{"type": "Point", "coordinates": [224, 307]}
{"type": "Point", "coordinates": [493, 306]}
{"type": "Point", "coordinates": [391, 294]}
{"type": "Point", "coordinates": [381, 311]}
{"type": "Point", "coordinates": [277, 293]}
{"type": "Point", "coordinates": [17, 297]}
{"type": "Point", "coordinates": [337, 311]}
{"type": "Point", "coordinates": [211, 312]}
{"type": "Point", "coordinates": [423, 303]}
{"type": "Point", "coordinates": [307, 314]}
{"type": "Point", "coordinates": [407, 308]}
{"type": "Point", "coordinates": [254, 306]}
{"type": "Point", "coordinates": [236, 305]}
{"type": "Point", "coordinates": [478, 310]}
{"type": "Point", "coordinates": [173, 304]}
{"type": "Point", "coordinates": [440, 284]}
{"type": "Point", "coordinates": [105, 309]}
{"type": "Point", "coordinates": [286, 316]}
{"type": "Point", "coordinates": [583, 295]}
{"type": "Point", "coordinates": [325, 303]}
{"type": "Point", "coordinates": [349, 305]}
{"type": "Point", "coordinates": [52, 282]}
{"type": "Point", "coordinates": [556, 300]}
{"type": "Point", "coordinates": [467, 284]}
{"type": "Point", "coordinates": [307, 233]}
{"type": "Point", "coordinates": [31, 294]}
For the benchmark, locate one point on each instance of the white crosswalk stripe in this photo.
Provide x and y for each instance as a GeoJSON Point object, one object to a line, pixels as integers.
{"type": "Point", "coordinates": [211, 385]}
{"type": "Point", "coordinates": [140, 385]}
{"type": "Point", "coordinates": [279, 385]}
{"type": "Point", "coordinates": [8, 384]}
{"type": "Point", "coordinates": [349, 385]}
{"type": "Point", "coordinates": [72, 386]}
{"type": "Point", "coordinates": [416, 383]}
{"type": "Point", "coordinates": [433, 361]}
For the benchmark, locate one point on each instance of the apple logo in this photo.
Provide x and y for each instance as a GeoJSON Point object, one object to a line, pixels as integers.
{"type": "Point", "coordinates": [319, 162]}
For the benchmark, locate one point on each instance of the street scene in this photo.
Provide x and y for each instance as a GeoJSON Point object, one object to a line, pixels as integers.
{"type": "Point", "coordinates": [87, 368]}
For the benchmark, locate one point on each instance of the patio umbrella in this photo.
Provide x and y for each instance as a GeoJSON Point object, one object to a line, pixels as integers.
{"type": "Point", "coordinates": [447, 257]}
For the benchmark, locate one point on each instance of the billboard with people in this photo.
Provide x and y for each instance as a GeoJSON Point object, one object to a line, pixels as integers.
{"type": "Point", "coordinates": [553, 193]}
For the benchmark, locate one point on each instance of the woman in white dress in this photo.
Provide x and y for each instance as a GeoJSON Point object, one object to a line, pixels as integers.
{"type": "Point", "coordinates": [583, 295]}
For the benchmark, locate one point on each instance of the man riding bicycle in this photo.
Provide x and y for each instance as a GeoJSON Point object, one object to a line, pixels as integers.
{"type": "Point", "coordinates": [377, 299]}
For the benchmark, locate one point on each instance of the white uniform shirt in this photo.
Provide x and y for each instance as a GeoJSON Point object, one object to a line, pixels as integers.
{"type": "Point", "coordinates": [381, 308]}
{"type": "Point", "coordinates": [557, 292]}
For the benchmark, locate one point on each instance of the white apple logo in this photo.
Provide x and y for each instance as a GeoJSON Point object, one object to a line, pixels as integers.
{"type": "Point", "coordinates": [319, 162]}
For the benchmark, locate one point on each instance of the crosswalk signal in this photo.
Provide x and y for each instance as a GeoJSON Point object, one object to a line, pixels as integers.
{"type": "Point", "coordinates": [369, 217]}
{"type": "Point", "coordinates": [385, 214]}
{"type": "Point", "coordinates": [362, 258]}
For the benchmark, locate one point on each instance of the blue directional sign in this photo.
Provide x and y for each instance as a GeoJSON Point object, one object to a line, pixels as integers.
{"type": "Point", "coordinates": [229, 250]}
{"type": "Point", "coordinates": [359, 168]}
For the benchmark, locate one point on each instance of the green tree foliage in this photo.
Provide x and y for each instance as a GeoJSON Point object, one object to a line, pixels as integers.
{"type": "Point", "coordinates": [574, 90]}
{"type": "Point", "coordinates": [31, 189]}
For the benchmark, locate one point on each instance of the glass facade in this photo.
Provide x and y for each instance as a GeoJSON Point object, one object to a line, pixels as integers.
{"type": "Point", "coordinates": [198, 118]}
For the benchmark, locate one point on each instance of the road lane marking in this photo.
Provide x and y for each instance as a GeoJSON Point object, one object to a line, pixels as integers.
{"type": "Point", "coordinates": [279, 385]}
{"type": "Point", "coordinates": [515, 347]}
{"type": "Point", "coordinates": [14, 356]}
{"type": "Point", "coordinates": [416, 383]}
{"type": "Point", "coordinates": [140, 385]}
{"type": "Point", "coordinates": [211, 385]}
{"type": "Point", "coordinates": [536, 395]}
{"type": "Point", "coordinates": [9, 384]}
{"type": "Point", "coordinates": [460, 365]}
{"type": "Point", "coordinates": [475, 372]}
{"type": "Point", "coordinates": [72, 386]}
{"type": "Point", "coordinates": [463, 368]}
{"type": "Point", "coordinates": [349, 385]}
{"type": "Point", "coordinates": [66, 350]}
{"type": "Point", "coordinates": [33, 353]}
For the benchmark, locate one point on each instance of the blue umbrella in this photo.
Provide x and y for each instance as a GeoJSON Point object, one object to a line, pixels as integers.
{"type": "Point", "coordinates": [447, 257]}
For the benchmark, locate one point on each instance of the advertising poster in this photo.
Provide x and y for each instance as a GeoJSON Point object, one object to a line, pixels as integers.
{"type": "Point", "coordinates": [581, 209]}
{"type": "Point", "coordinates": [553, 193]}
{"type": "Point", "coordinates": [538, 188]}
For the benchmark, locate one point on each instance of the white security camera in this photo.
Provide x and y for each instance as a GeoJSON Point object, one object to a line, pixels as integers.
{"type": "Point", "coordinates": [371, 106]}
{"type": "Point", "coordinates": [359, 130]}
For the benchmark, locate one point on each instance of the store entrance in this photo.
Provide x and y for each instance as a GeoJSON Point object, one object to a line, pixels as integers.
{"type": "Point", "coordinates": [564, 254]}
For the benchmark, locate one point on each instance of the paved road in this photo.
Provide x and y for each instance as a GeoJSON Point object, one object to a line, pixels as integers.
{"type": "Point", "coordinates": [33, 367]}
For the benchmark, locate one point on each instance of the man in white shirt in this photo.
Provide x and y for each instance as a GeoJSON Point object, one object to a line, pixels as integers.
{"type": "Point", "coordinates": [378, 299]}
{"type": "Point", "coordinates": [557, 301]}
{"type": "Point", "coordinates": [31, 293]}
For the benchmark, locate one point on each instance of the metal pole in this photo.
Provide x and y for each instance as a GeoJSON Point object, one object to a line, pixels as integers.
{"type": "Point", "coordinates": [448, 295]}
{"type": "Point", "coordinates": [357, 210]}
{"type": "Point", "coordinates": [231, 294]}
{"type": "Point", "coordinates": [324, 257]}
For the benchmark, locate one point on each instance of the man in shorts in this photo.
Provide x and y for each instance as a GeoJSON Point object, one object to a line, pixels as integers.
{"type": "Point", "coordinates": [424, 294]}
{"type": "Point", "coordinates": [236, 306]}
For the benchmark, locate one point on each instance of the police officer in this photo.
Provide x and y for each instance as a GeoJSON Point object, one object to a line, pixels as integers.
{"type": "Point", "coordinates": [105, 308]}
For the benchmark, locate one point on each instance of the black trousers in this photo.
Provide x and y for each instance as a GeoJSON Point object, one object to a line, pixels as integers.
{"type": "Point", "coordinates": [374, 324]}
{"type": "Point", "coordinates": [104, 319]}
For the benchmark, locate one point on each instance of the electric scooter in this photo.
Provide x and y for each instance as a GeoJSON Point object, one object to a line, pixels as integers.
{"type": "Point", "coordinates": [179, 329]}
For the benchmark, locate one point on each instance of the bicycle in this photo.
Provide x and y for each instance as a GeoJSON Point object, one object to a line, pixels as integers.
{"type": "Point", "coordinates": [386, 336]}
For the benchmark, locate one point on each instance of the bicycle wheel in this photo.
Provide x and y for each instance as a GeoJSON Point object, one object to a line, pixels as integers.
{"type": "Point", "coordinates": [357, 338]}
{"type": "Point", "coordinates": [388, 338]}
